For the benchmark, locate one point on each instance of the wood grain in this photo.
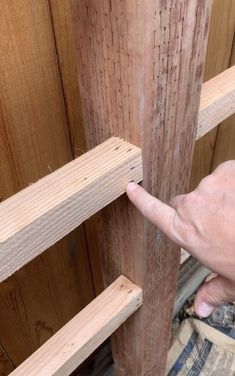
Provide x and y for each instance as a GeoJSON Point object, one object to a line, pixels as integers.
{"type": "Point", "coordinates": [65, 46]}
{"type": "Point", "coordinates": [140, 67]}
{"type": "Point", "coordinates": [217, 101]}
{"type": "Point", "coordinates": [6, 365]}
{"type": "Point", "coordinates": [34, 141]}
{"type": "Point", "coordinates": [43, 213]}
{"type": "Point", "coordinates": [224, 148]}
{"type": "Point", "coordinates": [69, 347]}
{"type": "Point", "coordinates": [43, 295]}
{"type": "Point", "coordinates": [218, 55]}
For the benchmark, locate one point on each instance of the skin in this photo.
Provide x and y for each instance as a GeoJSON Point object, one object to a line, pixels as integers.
{"type": "Point", "coordinates": [203, 222]}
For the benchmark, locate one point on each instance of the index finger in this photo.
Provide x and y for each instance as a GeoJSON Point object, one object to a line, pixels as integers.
{"type": "Point", "coordinates": [157, 212]}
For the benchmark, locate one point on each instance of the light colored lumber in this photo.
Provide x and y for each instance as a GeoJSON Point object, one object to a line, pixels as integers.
{"type": "Point", "coordinates": [38, 216]}
{"type": "Point", "coordinates": [217, 101]}
{"type": "Point", "coordinates": [71, 345]}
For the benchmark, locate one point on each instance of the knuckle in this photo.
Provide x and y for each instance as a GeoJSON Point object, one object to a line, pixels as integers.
{"type": "Point", "coordinates": [226, 164]}
{"type": "Point", "coordinates": [225, 167]}
{"type": "Point", "coordinates": [207, 180]}
{"type": "Point", "coordinates": [175, 201]}
{"type": "Point", "coordinates": [206, 183]}
{"type": "Point", "coordinates": [189, 199]}
{"type": "Point", "coordinates": [187, 233]}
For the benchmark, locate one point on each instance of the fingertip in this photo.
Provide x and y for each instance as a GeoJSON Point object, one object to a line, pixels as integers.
{"type": "Point", "coordinates": [160, 214]}
{"type": "Point", "coordinates": [131, 187]}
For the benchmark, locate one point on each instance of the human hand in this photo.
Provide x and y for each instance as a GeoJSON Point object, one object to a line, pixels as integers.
{"type": "Point", "coordinates": [202, 222]}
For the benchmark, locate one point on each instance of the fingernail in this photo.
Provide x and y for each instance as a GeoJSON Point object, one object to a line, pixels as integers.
{"type": "Point", "coordinates": [131, 187]}
{"type": "Point", "coordinates": [204, 310]}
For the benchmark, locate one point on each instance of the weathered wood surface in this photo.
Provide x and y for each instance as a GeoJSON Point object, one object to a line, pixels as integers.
{"type": "Point", "coordinates": [43, 213]}
{"type": "Point", "coordinates": [34, 141]}
{"type": "Point", "coordinates": [140, 67]}
{"type": "Point", "coordinates": [72, 344]}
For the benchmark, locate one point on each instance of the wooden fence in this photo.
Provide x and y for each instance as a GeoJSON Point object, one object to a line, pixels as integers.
{"type": "Point", "coordinates": [41, 130]}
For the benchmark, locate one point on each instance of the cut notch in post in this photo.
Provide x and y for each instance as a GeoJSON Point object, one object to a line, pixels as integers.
{"type": "Point", "coordinates": [44, 212]}
{"type": "Point", "coordinates": [72, 344]}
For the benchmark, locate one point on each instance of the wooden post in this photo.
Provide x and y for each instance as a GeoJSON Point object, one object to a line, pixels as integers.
{"type": "Point", "coordinates": [140, 67]}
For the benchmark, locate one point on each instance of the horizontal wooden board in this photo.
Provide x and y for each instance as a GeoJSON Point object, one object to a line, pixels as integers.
{"type": "Point", "coordinates": [71, 345]}
{"type": "Point", "coordinates": [41, 214]}
{"type": "Point", "coordinates": [217, 101]}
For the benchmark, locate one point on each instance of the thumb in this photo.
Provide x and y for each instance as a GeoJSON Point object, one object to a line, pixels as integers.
{"type": "Point", "coordinates": [212, 294]}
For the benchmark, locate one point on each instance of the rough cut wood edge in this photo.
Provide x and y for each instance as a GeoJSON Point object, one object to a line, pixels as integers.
{"type": "Point", "coordinates": [217, 101]}
{"type": "Point", "coordinates": [38, 216]}
{"type": "Point", "coordinates": [71, 345]}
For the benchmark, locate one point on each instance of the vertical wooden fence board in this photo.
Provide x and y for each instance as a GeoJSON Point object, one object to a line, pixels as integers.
{"type": "Point", "coordinates": [225, 141]}
{"type": "Point", "coordinates": [217, 60]}
{"type": "Point", "coordinates": [65, 45]}
{"type": "Point", "coordinates": [140, 66]}
{"type": "Point", "coordinates": [34, 140]}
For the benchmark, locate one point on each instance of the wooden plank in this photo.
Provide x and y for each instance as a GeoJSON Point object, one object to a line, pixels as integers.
{"type": "Point", "coordinates": [218, 54]}
{"type": "Point", "coordinates": [66, 51]}
{"type": "Point", "coordinates": [34, 141]}
{"type": "Point", "coordinates": [135, 60]}
{"type": "Point", "coordinates": [69, 347]}
{"type": "Point", "coordinates": [224, 148]}
{"type": "Point", "coordinates": [43, 213]}
{"type": "Point", "coordinates": [65, 46]}
{"type": "Point", "coordinates": [217, 101]}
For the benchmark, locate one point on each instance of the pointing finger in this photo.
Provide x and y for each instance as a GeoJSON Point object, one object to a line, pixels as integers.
{"type": "Point", "coordinates": [160, 214]}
